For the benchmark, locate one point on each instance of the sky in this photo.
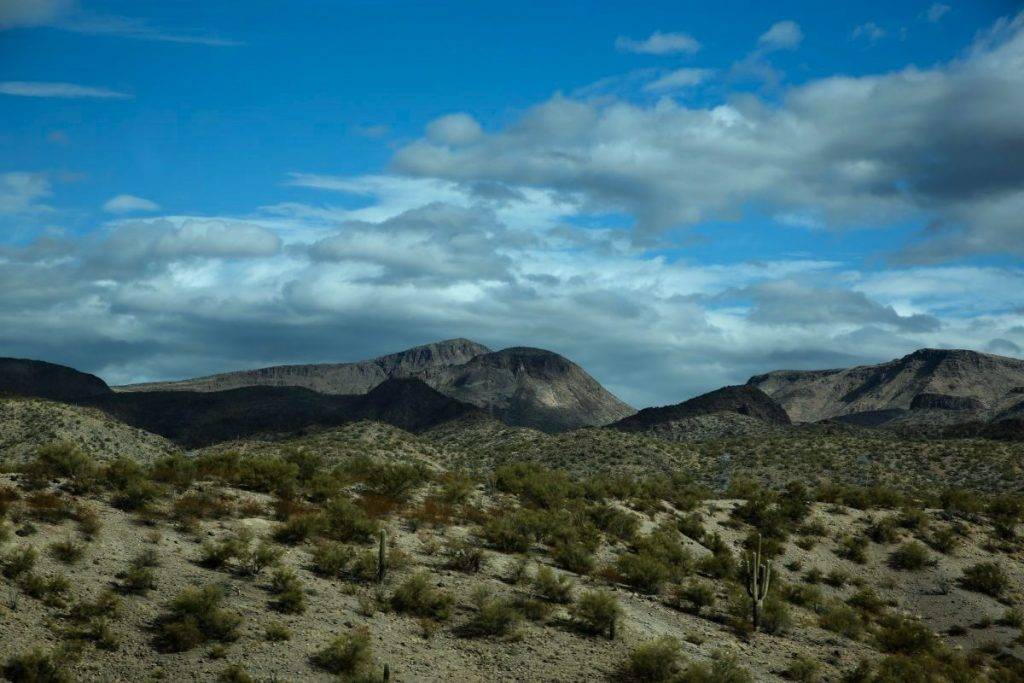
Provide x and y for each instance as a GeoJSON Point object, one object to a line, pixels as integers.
{"type": "Point", "coordinates": [675, 195]}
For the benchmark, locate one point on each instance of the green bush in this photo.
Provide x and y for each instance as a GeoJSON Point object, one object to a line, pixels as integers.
{"type": "Point", "coordinates": [298, 528]}
{"type": "Point", "coordinates": [884, 530]}
{"type": "Point", "coordinates": [695, 595]}
{"type": "Point", "coordinates": [723, 669]}
{"type": "Point", "coordinates": [910, 556]}
{"type": "Point", "coordinates": [552, 586]}
{"type": "Point", "coordinates": [196, 617]}
{"type": "Point", "coordinates": [332, 559]}
{"type": "Point", "coordinates": [235, 673]}
{"type": "Point", "coordinates": [596, 612]}
{"type": "Point", "coordinates": [346, 521]}
{"type": "Point", "coordinates": [277, 632]}
{"type": "Point", "coordinates": [39, 665]}
{"type": "Point", "coordinates": [287, 588]}
{"type": "Point", "coordinates": [905, 636]}
{"type": "Point", "coordinates": [418, 597]}
{"type": "Point", "coordinates": [349, 654]}
{"type": "Point", "coordinates": [61, 460]}
{"type": "Point", "coordinates": [853, 548]}
{"type": "Point", "coordinates": [465, 556]}
{"type": "Point", "coordinates": [985, 577]}
{"type": "Point", "coordinates": [18, 562]}
{"type": "Point", "coordinates": [655, 661]}
{"type": "Point", "coordinates": [493, 616]}
{"type": "Point", "coordinates": [842, 619]}
{"type": "Point", "coordinates": [943, 540]}
{"type": "Point", "coordinates": [803, 669]}
{"type": "Point", "coordinates": [138, 580]}
{"type": "Point", "coordinates": [644, 572]}
{"type": "Point", "coordinates": [574, 557]}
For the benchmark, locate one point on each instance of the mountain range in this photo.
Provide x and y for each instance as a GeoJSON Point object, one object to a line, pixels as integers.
{"type": "Point", "coordinates": [968, 392]}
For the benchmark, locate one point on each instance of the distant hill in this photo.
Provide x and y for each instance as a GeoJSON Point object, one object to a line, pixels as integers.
{"type": "Point", "coordinates": [729, 411]}
{"type": "Point", "coordinates": [22, 377]}
{"type": "Point", "coordinates": [332, 378]}
{"type": "Point", "coordinates": [199, 418]}
{"type": "Point", "coordinates": [521, 386]}
{"type": "Point", "coordinates": [924, 386]}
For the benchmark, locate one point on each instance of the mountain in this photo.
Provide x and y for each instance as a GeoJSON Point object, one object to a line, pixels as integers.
{"type": "Point", "coordinates": [951, 386]}
{"type": "Point", "coordinates": [331, 378]}
{"type": "Point", "coordinates": [729, 411]}
{"type": "Point", "coordinates": [529, 387]}
{"type": "Point", "coordinates": [22, 377]}
{"type": "Point", "coordinates": [521, 386]}
{"type": "Point", "coordinates": [200, 418]}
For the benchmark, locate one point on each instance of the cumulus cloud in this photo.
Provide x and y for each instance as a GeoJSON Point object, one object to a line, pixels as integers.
{"type": "Point", "coordinates": [454, 129]}
{"type": "Point", "coordinates": [60, 90]}
{"type": "Point", "coordinates": [679, 79]}
{"type": "Point", "coordinates": [942, 147]}
{"type": "Point", "coordinates": [782, 35]}
{"type": "Point", "coordinates": [126, 203]}
{"type": "Point", "coordinates": [20, 192]}
{"type": "Point", "coordinates": [659, 43]}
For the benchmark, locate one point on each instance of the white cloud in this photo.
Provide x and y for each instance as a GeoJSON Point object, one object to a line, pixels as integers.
{"type": "Point", "coordinates": [126, 203]}
{"type": "Point", "coordinates": [20, 192]}
{"type": "Point", "coordinates": [869, 31]}
{"type": "Point", "coordinates": [27, 13]}
{"type": "Point", "coordinates": [782, 35]}
{"type": "Point", "coordinates": [659, 43]}
{"type": "Point", "coordinates": [61, 90]}
{"type": "Point", "coordinates": [936, 12]}
{"type": "Point", "coordinates": [454, 129]}
{"type": "Point", "coordinates": [679, 79]}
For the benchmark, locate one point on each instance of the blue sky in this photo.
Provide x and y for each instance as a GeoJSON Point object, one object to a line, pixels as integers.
{"type": "Point", "coordinates": [674, 195]}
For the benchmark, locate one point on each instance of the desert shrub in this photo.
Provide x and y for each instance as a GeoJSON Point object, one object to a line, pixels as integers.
{"type": "Point", "coordinates": [277, 632]}
{"type": "Point", "coordinates": [49, 589]}
{"type": "Point", "coordinates": [19, 561]}
{"type": "Point", "coordinates": [418, 597]}
{"type": "Point", "coordinates": [176, 470]}
{"type": "Point", "coordinates": [89, 523]}
{"type": "Point", "coordinates": [534, 483]}
{"type": "Point", "coordinates": [290, 596]}
{"type": "Point", "coordinates": [1012, 617]}
{"type": "Point", "coordinates": [775, 616]}
{"type": "Point", "coordinates": [493, 616]}
{"type": "Point", "coordinates": [136, 495]}
{"type": "Point", "coordinates": [837, 578]}
{"type": "Point", "coordinates": [46, 506]}
{"type": "Point", "coordinates": [616, 523]}
{"type": "Point", "coordinates": [196, 617]}
{"type": "Point", "coordinates": [68, 550]}
{"type": "Point", "coordinates": [884, 530]}
{"type": "Point", "coordinates": [985, 577]}
{"type": "Point", "coordinates": [552, 586]}
{"type": "Point", "coordinates": [804, 670]}
{"type": "Point", "coordinates": [298, 528]}
{"type": "Point", "coordinates": [722, 669]}
{"type": "Point", "coordinates": [331, 559]}
{"type": "Point", "coordinates": [842, 619]}
{"type": "Point", "coordinates": [654, 661]}
{"type": "Point", "coordinates": [61, 460]}
{"type": "Point", "coordinates": [902, 635]}
{"type": "Point", "coordinates": [694, 595]}
{"type": "Point", "coordinates": [867, 600]}
{"type": "Point", "coordinates": [107, 604]}
{"type": "Point", "coordinates": [267, 475]}
{"type": "Point", "coordinates": [596, 612]}
{"type": "Point", "coordinates": [138, 580]}
{"type": "Point", "coordinates": [465, 556]}
{"type": "Point", "coordinates": [960, 501]}
{"type": "Point", "coordinates": [349, 654]}
{"type": "Point", "coordinates": [514, 530]}
{"type": "Point", "coordinates": [1005, 513]}
{"type": "Point", "coordinates": [692, 525]}
{"type": "Point", "coordinates": [533, 609]}
{"type": "Point", "coordinates": [801, 594]}
{"type": "Point", "coordinates": [346, 521]}
{"type": "Point", "coordinates": [248, 559]}
{"type": "Point", "coordinates": [853, 548]}
{"type": "Point", "coordinates": [39, 665]}
{"type": "Point", "coordinates": [943, 540]}
{"type": "Point", "coordinates": [235, 673]}
{"type": "Point", "coordinates": [642, 571]}
{"type": "Point", "coordinates": [573, 557]}
{"type": "Point", "coordinates": [204, 504]}
{"type": "Point", "coordinates": [720, 564]}
{"type": "Point", "coordinates": [910, 556]}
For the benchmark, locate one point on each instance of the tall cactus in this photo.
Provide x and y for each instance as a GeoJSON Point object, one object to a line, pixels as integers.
{"type": "Point", "coordinates": [759, 576]}
{"type": "Point", "coordinates": [382, 556]}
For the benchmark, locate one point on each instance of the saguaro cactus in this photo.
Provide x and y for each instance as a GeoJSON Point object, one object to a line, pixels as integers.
{"type": "Point", "coordinates": [382, 556]}
{"type": "Point", "coordinates": [759, 576]}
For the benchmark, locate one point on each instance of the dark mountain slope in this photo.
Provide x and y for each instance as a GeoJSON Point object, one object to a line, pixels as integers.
{"type": "Point", "coordinates": [22, 377]}
{"type": "Point", "coordinates": [747, 401]}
